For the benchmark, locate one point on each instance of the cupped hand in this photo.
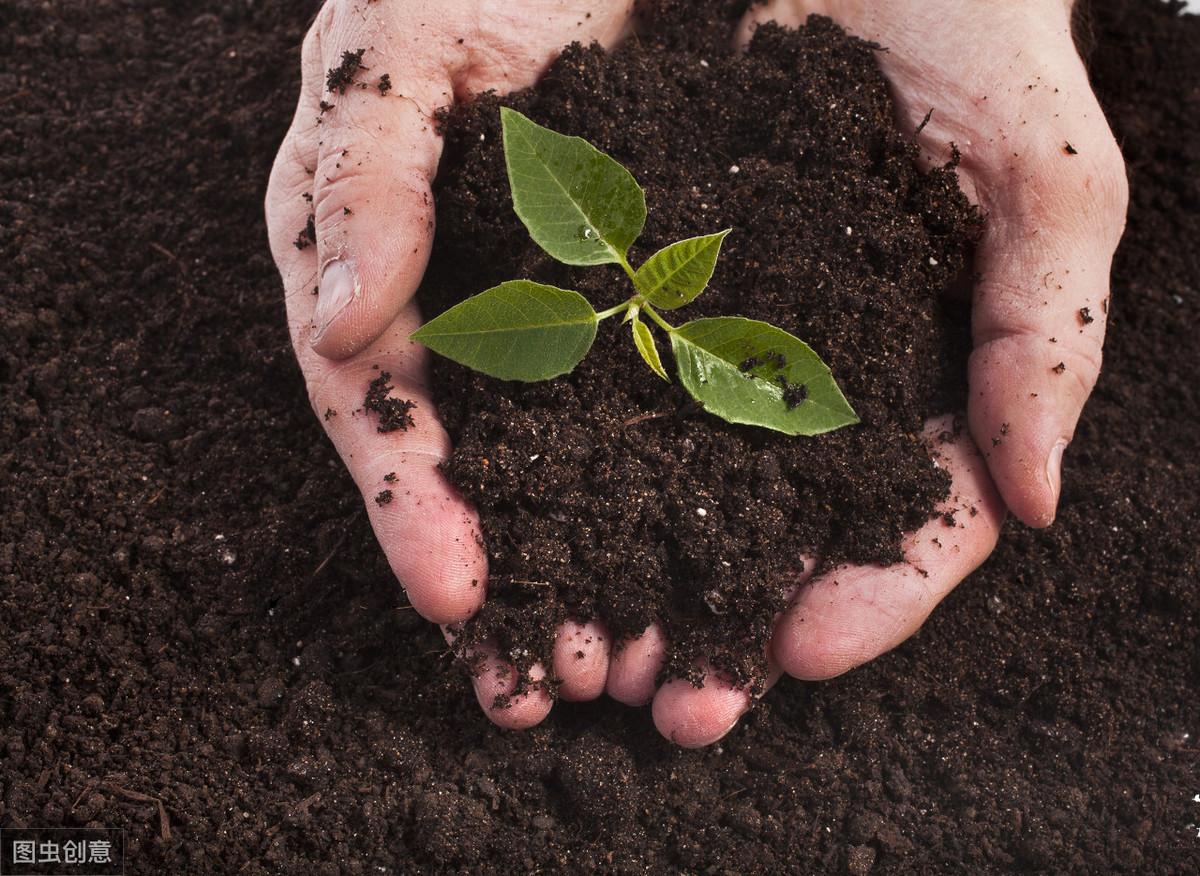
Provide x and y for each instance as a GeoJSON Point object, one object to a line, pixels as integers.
{"type": "Point", "coordinates": [1008, 90]}
{"type": "Point", "coordinates": [350, 216]}
{"type": "Point", "coordinates": [1003, 83]}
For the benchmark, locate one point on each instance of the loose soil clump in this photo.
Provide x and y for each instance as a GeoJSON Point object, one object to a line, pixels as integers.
{"type": "Point", "coordinates": [612, 489]}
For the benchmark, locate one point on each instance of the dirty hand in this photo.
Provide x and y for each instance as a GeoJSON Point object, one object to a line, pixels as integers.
{"type": "Point", "coordinates": [1007, 87]}
{"type": "Point", "coordinates": [350, 216]}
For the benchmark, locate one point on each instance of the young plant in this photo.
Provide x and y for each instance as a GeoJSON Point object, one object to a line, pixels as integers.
{"type": "Point", "coordinates": [583, 208]}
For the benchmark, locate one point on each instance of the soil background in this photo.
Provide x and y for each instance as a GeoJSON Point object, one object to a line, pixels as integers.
{"type": "Point", "coordinates": [194, 612]}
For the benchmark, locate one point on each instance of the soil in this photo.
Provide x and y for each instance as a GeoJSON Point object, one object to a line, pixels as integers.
{"type": "Point", "coordinates": [610, 494]}
{"type": "Point", "coordinates": [195, 612]}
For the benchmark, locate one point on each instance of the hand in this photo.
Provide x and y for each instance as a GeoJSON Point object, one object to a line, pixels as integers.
{"type": "Point", "coordinates": [1007, 87]}
{"type": "Point", "coordinates": [359, 163]}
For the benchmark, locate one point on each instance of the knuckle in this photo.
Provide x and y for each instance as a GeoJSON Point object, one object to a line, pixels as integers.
{"type": "Point", "coordinates": [1084, 367]}
{"type": "Point", "coordinates": [322, 385]}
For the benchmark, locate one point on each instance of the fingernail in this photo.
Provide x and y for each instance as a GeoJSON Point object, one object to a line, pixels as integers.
{"type": "Point", "coordinates": [338, 288]}
{"type": "Point", "coordinates": [1054, 467]}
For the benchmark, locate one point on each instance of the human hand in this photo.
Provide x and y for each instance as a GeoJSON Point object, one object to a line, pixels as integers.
{"type": "Point", "coordinates": [357, 164]}
{"type": "Point", "coordinates": [1007, 87]}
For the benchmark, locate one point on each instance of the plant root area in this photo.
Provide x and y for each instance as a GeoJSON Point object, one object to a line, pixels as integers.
{"type": "Point", "coordinates": [201, 643]}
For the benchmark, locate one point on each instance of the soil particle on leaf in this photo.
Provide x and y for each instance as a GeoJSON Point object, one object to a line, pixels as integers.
{"type": "Point", "coordinates": [393, 412]}
{"type": "Point", "coordinates": [793, 393]}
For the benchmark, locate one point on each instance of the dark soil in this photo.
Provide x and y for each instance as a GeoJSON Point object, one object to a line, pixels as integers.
{"type": "Point", "coordinates": [615, 487]}
{"type": "Point", "coordinates": [194, 610]}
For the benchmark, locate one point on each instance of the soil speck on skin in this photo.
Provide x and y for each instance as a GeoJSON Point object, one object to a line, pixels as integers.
{"type": "Point", "coordinates": [341, 77]}
{"type": "Point", "coordinates": [385, 83]}
{"type": "Point", "coordinates": [308, 234]}
{"type": "Point", "coordinates": [393, 412]}
{"type": "Point", "coordinates": [383, 497]}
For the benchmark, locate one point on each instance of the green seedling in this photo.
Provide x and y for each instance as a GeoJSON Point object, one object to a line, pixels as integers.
{"type": "Point", "coordinates": [583, 208]}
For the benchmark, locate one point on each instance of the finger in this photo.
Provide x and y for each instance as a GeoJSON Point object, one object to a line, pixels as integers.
{"type": "Point", "coordinates": [581, 654]}
{"type": "Point", "coordinates": [288, 207]}
{"type": "Point", "coordinates": [428, 533]}
{"type": "Point", "coordinates": [696, 716]}
{"type": "Point", "coordinates": [1040, 309]}
{"type": "Point", "coordinates": [693, 717]}
{"type": "Point", "coordinates": [378, 152]}
{"type": "Point", "coordinates": [852, 614]}
{"type": "Point", "coordinates": [634, 667]}
{"type": "Point", "coordinates": [495, 682]}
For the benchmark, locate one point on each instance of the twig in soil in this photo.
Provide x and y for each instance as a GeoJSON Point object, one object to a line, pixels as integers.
{"type": "Point", "coordinates": [325, 562]}
{"type": "Point", "coordinates": [16, 95]}
{"type": "Point", "coordinates": [164, 823]}
{"type": "Point", "coordinates": [641, 418]}
{"type": "Point", "coordinates": [158, 247]}
{"type": "Point", "coordinates": [87, 789]}
{"type": "Point", "coordinates": [299, 808]}
{"type": "Point", "coordinates": [924, 122]}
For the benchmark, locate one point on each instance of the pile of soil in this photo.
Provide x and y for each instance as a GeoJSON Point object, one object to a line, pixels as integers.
{"type": "Point", "coordinates": [194, 612]}
{"type": "Point", "coordinates": [610, 494]}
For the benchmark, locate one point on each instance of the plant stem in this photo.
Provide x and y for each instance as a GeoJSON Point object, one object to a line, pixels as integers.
{"type": "Point", "coordinates": [658, 320]}
{"type": "Point", "coordinates": [613, 311]}
{"type": "Point", "coordinates": [629, 272]}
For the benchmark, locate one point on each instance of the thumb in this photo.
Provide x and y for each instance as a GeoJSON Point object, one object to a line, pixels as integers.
{"type": "Point", "coordinates": [372, 203]}
{"type": "Point", "coordinates": [1039, 314]}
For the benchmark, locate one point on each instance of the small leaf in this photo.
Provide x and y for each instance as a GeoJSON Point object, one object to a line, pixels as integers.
{"type": "Point", "coordinates": [746, 371]}
{"type": "Point", "coordinates": [579, 205]}
{"type": "Point", "coordinates": [518, 330]}
{"type": "Point", "coordinates": [676, 274]}
{"type": "Point", "coordinates": [644, 340]}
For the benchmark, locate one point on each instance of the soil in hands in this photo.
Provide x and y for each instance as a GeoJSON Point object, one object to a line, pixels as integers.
{"type": "Point", "coordinates": [608, 493]}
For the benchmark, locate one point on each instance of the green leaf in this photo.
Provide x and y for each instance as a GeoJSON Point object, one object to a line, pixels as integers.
{"type": "Point", "coordinates": [644, 341]}
{"type": "Point", "coordinates": [676, 274]}
{"type": "Point", "coordinates": [746, 371]}
{"type": "Point", "coordinates": [579, 205]}
{"type": "Point", "coordinates": [518, 330]}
